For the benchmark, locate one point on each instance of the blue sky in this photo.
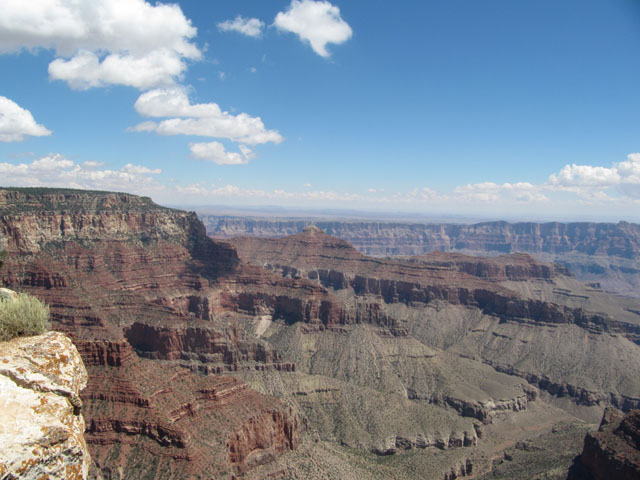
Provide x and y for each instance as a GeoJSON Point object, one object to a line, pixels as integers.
{"type": "Point", "coordinates": [499, 109]}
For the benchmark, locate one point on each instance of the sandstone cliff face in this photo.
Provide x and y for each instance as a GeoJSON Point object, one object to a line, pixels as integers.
{"type": "Point", "coordinates": [41, 425]}
{"type": "Point", "coordinates": [605, 253]}
{"type": "Point", "coordinates": [517, 266]}
{"type": "Point", "coordinates": [366, 354]}
{"type": "Point", "coordinates": [505, 337]}
{"type": "Point", "coordinates": [390, 238]}
{"type": "Point", "coordinates": [118, 270]}
{"type": "Point", "coordinates": [613, 451]}
{"type": "Point", "coordinates": [452, 278]}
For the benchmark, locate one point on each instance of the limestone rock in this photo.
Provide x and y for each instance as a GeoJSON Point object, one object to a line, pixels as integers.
{"type": "Point", "coordinates": [41, 428]}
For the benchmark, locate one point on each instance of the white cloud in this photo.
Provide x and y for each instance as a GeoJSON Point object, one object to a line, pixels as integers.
{"type": "Point", "coordinates": [85, 70]}
{"type": "Point", "coordinates": [17, 122]}
{"type": "Point", "coordinates": [516, 199]}
{"type": "Point", "coordinates": [216, 153]}
{"type": "Point", "coordinates": [590, 181]}
{"type": "Point", "coordinates": [57, 171]}
{"type": "Point", "coordinates": [585, 176]}
{"type": "Point", "coordinates": [205, 119]}
{"type": "Point", "coordinates": [251, 27]}
{"type": "Point", "coordinates": [317, 22]}
{"type": "Point", "coordinates": [128, 42]}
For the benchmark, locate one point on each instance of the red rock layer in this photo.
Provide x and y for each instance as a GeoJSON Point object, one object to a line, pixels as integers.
{"type": "Point", "coordinates": [174, 424]}
{"type": "Point", "coordinates": [395, 238]}
{"type": "Point", "coordinates": [516, 266]}
{"type": "Point", "coordinates": [613, 451]}
{"type": "Point", "coordinates": [118, 271]}
{"type": "Point", "coordinates": [453, 278]}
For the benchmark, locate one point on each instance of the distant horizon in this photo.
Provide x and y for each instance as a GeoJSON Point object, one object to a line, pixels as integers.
{"type": "Point", "coordinates": [284, 212]}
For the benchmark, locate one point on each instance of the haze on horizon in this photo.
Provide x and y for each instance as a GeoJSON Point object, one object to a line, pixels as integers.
{"type": "Point", "coordinates": [492, 109]}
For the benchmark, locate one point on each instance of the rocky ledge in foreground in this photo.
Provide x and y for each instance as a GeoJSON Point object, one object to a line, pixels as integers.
{"type": "Point", "coordinates": [41, 428]}
{"type": "Point", "coordinates": [613, 451]}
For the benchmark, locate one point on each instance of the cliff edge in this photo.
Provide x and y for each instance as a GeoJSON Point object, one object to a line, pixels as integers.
{"type": "Point", "coordinates": [41, 427]}
{"type": "Point", "coordinates": [613, 451]}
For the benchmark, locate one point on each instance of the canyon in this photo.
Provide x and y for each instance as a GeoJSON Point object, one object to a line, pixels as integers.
{"type": "Point", "coordinates": [302, 357]}
{"type": "Point", "coordinates": [604, 253]}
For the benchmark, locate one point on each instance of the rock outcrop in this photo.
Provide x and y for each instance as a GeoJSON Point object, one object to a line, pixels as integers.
{"type": "Point", "coordinates": [604, 253]}
{"type": "Point", "coordinates": [116, 269]}
{"type": "Point", "coordinates": [41, 422]}
{"type": "Point", "coordinates": [206, 363]}
{"type": "Point", "coordinates": [613, 451]}
{"type": "Point", "coordinates": [393, 238]}
{"type": "Point", "coordinates": [452, 278]}
{"type": "Point", "coordinates": [503, 289]}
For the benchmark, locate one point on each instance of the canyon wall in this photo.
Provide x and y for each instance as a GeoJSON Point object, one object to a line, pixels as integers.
{"type": "Point", "coordinates": [613, 451]}
{"type": "Point", "coordinates": [112, 266]}
{"type": "Point", "coordinates": [604, 253]}
{"type": "Point", "coordinates": [257, 358]}
{"type": "Point", "coordinates": [390, 238]}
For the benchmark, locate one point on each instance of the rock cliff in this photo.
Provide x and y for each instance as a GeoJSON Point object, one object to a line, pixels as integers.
{"type": "Point", "coordinates": [598, 252]}
{"type": "Point", "coordinates": [516, 323]}
{"type": "Point", "coordinates": [41, 421]}
{"type": "Point", "coordinates": [301, 357]}
{"type": "Point", "coordinates": [613, 451]}
{"type": "Point", "coordinates": [390, 238]}
{"type": "Point", "coordinates": [132, 284]}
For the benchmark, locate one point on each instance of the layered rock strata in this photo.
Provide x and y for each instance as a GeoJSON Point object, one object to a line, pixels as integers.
{"type": "Point", "coordinates": [370, 355]}
{"type": "Point", "coordinates": [605, 253]}
{"type": "Point", "coordinates": [392, 238]}
{"type": "Point", "coordinates": [405, 291]}
{"type": "Point", "coordinates": [118, 270]}
{"type": "Point", "coordinates": [613, 451]}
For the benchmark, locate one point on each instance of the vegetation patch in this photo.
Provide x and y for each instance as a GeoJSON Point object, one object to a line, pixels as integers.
{"type": "Point", "coordinates": [22, 317]}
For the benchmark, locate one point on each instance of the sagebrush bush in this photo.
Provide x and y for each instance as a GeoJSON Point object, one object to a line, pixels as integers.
{"type": "Point", "coordinates": [23, 317]}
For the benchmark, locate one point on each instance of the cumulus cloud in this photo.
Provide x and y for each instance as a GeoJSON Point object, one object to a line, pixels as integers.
{"type": "Point", "coordinates": [588, 180]}
{"type": "Point", "coordinates": [17, 122]}
{"type": "Point", "coordinates": [216, 153]}
{"type": "Point", "coordinates": [205, 119]}
{"type": "Point", "coordinates": [585, 176]}
{"type": "Point", "coordinates": [596, 186]}
{"type": "Point", "coordinates": [316, 22]}
{"type": "Point", "coordinates": [86, 70]}
{"type": "Point", "coordinates": [128, 42]}
{"type": "Point", "coordinates": [55, 170]}
{"type": "Point", "coordinates": [251, 27]}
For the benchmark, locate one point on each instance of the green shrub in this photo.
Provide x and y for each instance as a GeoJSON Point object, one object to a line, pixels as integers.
{"type": "Point", "coordinates": [23, 317]}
